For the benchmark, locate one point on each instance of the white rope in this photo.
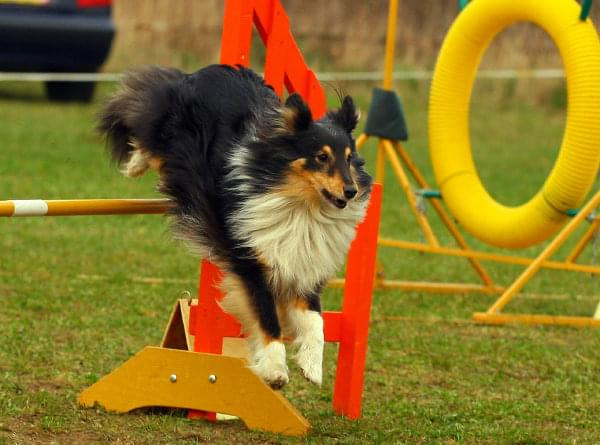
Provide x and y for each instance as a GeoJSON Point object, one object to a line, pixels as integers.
{"type": "Point", "coordinates": [59, 77]}
{"type": "Point", "coordinates": [349, 76]}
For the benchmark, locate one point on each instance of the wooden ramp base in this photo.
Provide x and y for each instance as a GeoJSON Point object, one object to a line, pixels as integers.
{"type": "Point", "coordinates": [192, 380]}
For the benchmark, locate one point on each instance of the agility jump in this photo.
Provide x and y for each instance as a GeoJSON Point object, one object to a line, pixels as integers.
{"type": "Point", "coordinates": [170, 373]}
{"type": "Point", "coordinates": [202, 326]}
{"type": "Point", "coordinates": [341, 327]}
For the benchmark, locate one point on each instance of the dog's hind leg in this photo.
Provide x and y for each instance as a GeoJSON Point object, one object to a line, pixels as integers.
{"type": "Point", "coordinates": [260, 323]}
{"type": "Point", "coordinates": [306, 323]}
{"type": "Point", "coordinates": [140, 160]}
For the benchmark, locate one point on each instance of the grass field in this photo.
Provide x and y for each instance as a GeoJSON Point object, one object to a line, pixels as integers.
{"type": "Point", "coordinates": [78, 296]}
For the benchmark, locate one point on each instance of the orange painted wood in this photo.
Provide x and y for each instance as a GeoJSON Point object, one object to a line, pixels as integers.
{"type": "Point", "coordinates": [284, 64]}
{"type": "Point", "coordinates": [278, 43]}
{"type": "Point", "coordinates": [208, 323]}
{"type": "Point", "coordinates": [237, 32]}
{"type": "Point", "coordinates": [356, 309]}
{"type": "Point", "coordinates": [332, 325]}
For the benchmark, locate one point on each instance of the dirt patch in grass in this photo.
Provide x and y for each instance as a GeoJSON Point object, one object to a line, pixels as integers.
{"type": "Point", "coordinates": [25, 429]}
{"type": "Point", "coordinates": [53, 386]}
{"type": "Point", "coordinates": [31, 436]}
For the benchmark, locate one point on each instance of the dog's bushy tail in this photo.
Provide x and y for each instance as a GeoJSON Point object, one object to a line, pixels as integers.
{"type": "Point", "coordinates": [133, 115]}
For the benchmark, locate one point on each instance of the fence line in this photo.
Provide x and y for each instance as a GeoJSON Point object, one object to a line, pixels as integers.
{"type": "Point", "coordinates": [346, 76]}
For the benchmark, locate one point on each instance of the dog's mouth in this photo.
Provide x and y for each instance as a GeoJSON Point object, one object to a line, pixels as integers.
{"type": "Point", "coordinates": [339, 203]}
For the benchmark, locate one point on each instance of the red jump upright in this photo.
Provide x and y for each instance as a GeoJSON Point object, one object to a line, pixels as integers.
{"type": "Point", "coordinates": [284, 64]}
{"type": "Point", "coordinates": [285, 68]}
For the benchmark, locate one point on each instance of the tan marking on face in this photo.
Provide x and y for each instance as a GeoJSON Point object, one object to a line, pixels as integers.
{"type": "Point", "coordinates": [300, 182]}
{"type": "Point", "coordinates": [347, 152]}
{"type": "Point", "coordinates": [318, 181]}
{"type": "Point", "coordinates": [307, 184]}
{"type": "Point", "coordinates": [298, 165]}
{"type": "Point", "coordinates": [334, 184]}
{"type": "Point", "coordinates": [327, 149]}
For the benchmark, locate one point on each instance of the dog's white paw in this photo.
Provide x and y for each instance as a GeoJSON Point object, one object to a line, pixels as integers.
{"type": "Point", "coordinates": [269, 365]}
{"type": "Point", "coordinates": [310, 359]}
{"type": "Point", "coordinates": [310, 341]}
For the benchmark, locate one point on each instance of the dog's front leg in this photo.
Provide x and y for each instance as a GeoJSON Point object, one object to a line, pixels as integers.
{"type": "Point", "coordinates": [306, 321]}
{"type": "Point", "coordinates": [252, 303]}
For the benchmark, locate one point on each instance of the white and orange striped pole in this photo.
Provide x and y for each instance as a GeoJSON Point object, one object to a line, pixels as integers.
{"type": "Point", "coordinates": [75, 207]}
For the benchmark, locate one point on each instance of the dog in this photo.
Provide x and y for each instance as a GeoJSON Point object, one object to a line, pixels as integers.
{"type": "Point", "coordinates": [258, 187]}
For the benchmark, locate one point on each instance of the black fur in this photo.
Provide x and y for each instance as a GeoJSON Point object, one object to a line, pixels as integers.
{"type": "Point", "coordinates": [346, 117]}
{"type": "Point", "coordinates": [194, 124]}
{"type": "Point", "coordinates": [138, 111]}
{"type": "Point", "coordinates": [302, 114]}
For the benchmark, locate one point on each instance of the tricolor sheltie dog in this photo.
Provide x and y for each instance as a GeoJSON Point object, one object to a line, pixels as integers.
{"type": "Point", "coordinates": [259, 188]}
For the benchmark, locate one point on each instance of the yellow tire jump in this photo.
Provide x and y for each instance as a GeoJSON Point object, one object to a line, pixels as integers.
{"type": "Point", "coordinates": [578, 161]}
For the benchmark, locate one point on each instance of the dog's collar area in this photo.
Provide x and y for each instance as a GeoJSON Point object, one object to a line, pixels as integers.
{"type": "Point", "coordinates": [339, 203]}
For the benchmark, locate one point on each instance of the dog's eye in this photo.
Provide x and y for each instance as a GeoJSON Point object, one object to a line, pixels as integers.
{"type": "Point", "coordinates": [350, 157]}
{"type": "Point", "coordinates": [323, 157]}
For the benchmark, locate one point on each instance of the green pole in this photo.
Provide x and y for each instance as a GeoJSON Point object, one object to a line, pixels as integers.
{"type": "Point", "coordinates": [586, 5]}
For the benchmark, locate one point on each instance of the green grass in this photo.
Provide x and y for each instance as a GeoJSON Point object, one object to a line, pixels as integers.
{"type": "Point", "coordinates": [75, 302]}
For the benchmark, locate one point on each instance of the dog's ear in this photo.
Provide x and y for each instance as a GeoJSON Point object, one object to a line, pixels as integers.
{"type": "Point", "coordinates": [347, 116]}
{"type": "Point", "coordinates": [296, 114]}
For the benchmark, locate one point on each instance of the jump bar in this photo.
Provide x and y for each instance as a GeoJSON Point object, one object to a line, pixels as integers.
{"type": "Point", "coordinates": [79, 207]}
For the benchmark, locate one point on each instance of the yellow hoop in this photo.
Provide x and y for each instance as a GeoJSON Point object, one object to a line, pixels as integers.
{"type": "Point", "coordinates": [450, 147]}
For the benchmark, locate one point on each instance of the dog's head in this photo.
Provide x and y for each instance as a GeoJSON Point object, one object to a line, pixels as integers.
{"type": "Point", "coordinates": [326, 165]}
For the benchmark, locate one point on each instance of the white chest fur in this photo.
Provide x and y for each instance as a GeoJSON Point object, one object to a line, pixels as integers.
{"type": "Point", "coordinates": [302, 244]}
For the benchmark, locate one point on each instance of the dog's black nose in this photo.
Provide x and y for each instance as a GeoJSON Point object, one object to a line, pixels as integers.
{"type": "Point", "coordinates": [349, 191]}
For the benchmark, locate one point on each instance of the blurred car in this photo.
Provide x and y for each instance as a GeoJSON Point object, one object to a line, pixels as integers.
{"type": "Point", "coordinates": [56, 36]}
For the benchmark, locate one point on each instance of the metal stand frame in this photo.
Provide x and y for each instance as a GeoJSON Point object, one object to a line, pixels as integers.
{"type": "Point", "coordinates": [400, 161]}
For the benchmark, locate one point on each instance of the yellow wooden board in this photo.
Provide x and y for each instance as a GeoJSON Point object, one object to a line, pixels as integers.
{"type": "Point", "coordinates": [147, 380]}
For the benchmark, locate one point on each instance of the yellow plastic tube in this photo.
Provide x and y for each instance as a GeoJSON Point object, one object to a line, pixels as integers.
{"type": "Point", "coordinates": [578, 161]}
